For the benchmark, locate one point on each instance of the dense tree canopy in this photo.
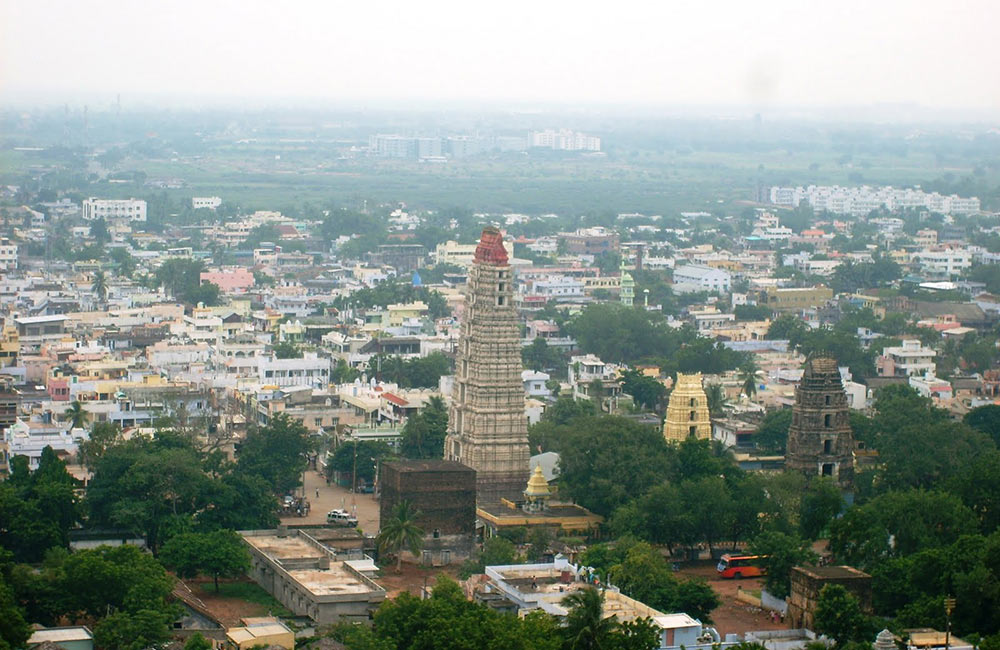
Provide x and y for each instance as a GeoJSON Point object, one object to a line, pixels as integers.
{"type": "Point", "coordinates": [38, 508]}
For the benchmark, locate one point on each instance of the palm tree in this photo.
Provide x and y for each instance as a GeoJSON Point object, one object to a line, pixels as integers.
{"type": "Point", "coordinates": [401, 531]}
{"type": "Point", "coordinates": [76, 415]}
{"type": "Point", "coordinates": [748, 378]}
{"type": "Point", "coordinates": [586, 627]}
{"type": "Point", "coordinates": [100, 286]}
{"type": "Point", "coordinates": [716, 396]}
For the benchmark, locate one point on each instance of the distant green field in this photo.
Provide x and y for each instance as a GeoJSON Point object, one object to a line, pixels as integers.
{"type": "Point", "coordinates": [283, 176]}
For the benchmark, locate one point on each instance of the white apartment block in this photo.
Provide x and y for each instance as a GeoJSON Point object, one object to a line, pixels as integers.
{"type": "Point", "coordinates": [944, 263]}
{"type": "Point", "coordinates": [859, 201]}
{"type": "Point", "coordinates": [284, 373]}
{"type": "Point", "coordinates": [205, 202]}
{"type": "Point", "coordinates": [906, 360]}
{"type": "Point", "coordinates": [130, 209]}
{"type": "Point", "coordinates": [8, 255]}
{"type": "Point", "coordinates": [565, 140]}
{"type": "Point", "coordinates": [702, 278]}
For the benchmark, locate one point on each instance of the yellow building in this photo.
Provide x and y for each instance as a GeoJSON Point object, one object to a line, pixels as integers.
{"type": "Point", "coordinates": [400, 313]}
{"type": "Point", "coordinates": [687, 411]}
{"type": "Point", "coordinates": [536, 511]}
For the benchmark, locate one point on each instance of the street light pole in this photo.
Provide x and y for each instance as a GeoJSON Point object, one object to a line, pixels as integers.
{"type": "Point", "coordinates": [949, 606]}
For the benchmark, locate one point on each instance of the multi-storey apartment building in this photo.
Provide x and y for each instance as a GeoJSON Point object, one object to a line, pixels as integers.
{"type": "Point", "coordinates": [129, 209]}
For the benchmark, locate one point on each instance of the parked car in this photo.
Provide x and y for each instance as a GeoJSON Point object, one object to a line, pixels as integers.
{"type": "Point", "coordinates": [341, 518]}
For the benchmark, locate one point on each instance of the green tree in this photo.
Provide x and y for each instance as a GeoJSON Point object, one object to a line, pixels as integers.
{"type": "Point", "coordinates": [748, 378]}
{"type": "Point", "coordinates": [586, 627]}
{"type": "Point", "coordinates": [593, 471]}
{"type": "Point", "coordinates": [838, 615]}
{"type": "Point", "coordinates": [772, 432]}
{"type": "Point", "coordinates": [985, 419]}
{"type": "Point", "coordinates": [76, 415]}
{"type": "Point", "coordinates": [401, 531]}
{"type": "Point", "coordinates": [783, 552]}
{"type": "Point", "coordinates": [277, 453]}
{"type": "Point", "coordinates": [646, 391]}
{"type": "Point", "coordinates": [220, 553]}
{"type": "Point", "coordinates": [198, 642]}
{"type": "Point", "coordinates": [820, 504]}
{"type": "Point", "coordinates": [358, 459]}
{"type": "Point", "coordinates": [37, 508]}
{"type": "Point", "coordinates": [424, 433]}
{"type": "Point", "coordinates": [287, 350]}
{"type": "Point", "coordinates": [540, 357]}
{"type": "Point", "coordinates": [99, 287]}
{"type": "Point", "coordinates": [14, 630]}
{"type": "Point", "coordinates": [896, 524]}
{"type": "Point", "coordinates": [716, 397]}
{"type": "Point", "coordinates": [496, 551]}
{"type": "Point", "coordinates": [139, 630]}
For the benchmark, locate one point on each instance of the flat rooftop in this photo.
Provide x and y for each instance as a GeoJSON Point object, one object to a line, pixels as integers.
{"type": "Point", "coordinates": [284, 548]}
{"type": "Point", "coordinates": [832, 572]}
{"type": "Point", "coordinates": [330, 582]}
{"type": "Point", "coordinates": [289, 552]}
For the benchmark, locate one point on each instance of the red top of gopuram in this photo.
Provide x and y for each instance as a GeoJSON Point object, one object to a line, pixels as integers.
{"type": "Point", "coordinates": [490, 249]}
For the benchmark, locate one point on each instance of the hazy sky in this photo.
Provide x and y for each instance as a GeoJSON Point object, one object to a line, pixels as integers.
{"type": "Point", "coordinates": [940, 53]}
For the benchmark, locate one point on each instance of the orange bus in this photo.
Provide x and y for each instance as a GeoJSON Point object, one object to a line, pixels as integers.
{"type": "Point", "coordinates": [732, 565]}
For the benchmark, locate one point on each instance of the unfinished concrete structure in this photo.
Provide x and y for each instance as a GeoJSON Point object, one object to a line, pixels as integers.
{"type": "Point", "coordinates": [309, 579]}
{"type": "Point", "coordinates": [443, 492]}
{"type": "Point", "coordinates": [487, 428]}
{"type": "Point", "coordinates": [820, 442]}
{"type": "Point", "coordinates": [687, 410]}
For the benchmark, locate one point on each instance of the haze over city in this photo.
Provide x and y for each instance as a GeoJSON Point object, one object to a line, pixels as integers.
{"type": "Point", "coordinates": [765, 55]}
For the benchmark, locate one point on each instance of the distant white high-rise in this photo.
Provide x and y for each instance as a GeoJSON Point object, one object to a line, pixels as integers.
{"type": "Point", "coordinates": [565, 140]}
{"type": "Point", "coordinates": [859, 201]}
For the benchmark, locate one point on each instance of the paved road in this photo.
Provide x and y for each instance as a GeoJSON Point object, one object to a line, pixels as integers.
{"type": "Point", "coordinates": [333, 496]}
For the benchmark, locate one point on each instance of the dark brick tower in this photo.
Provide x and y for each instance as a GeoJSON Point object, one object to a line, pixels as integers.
{"type": "Point", "coordinates": [820, 442]}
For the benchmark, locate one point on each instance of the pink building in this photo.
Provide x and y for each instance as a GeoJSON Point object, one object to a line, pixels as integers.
{"type": "Point", "coordinates": [234, 281]}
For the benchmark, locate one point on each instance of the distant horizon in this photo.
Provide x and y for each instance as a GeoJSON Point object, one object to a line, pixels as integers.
{"type": "Point", "coordinates": [903, 112]}
{"type": "Point", "coordinates": [771, 57]}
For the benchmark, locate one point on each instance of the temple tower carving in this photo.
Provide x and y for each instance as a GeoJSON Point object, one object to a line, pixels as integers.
{"type": "Point", "coordinates": [820, 441]}
{"type": "Point", "coordinates": [687, 410]}
{"type": "Point", "coordinates": [487, 428]}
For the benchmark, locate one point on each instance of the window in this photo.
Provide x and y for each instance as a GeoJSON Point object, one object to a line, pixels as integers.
{"type": "Point", "coordinates": [827, 469]}
{"type": "Point", "coordinates": [828, 420]}
{"type": "Point", "coordinates": [691, 402]}
{"type": "Point", "coordinates": [827, 400]}
{"type": "Point", "coordinates": [827, 444]}
{"type": "Point", "coordinates": [693, 430]}
{"type": "Point", "coordinates": [691, 415]}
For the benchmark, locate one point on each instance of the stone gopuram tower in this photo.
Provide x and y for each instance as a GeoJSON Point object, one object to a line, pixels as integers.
{"type": "Point", "coordinates": [487, 428]}
{"type": "Point", "coordinates": [820, 442]}
{"type": "Point", "coordinates": [687, 410]}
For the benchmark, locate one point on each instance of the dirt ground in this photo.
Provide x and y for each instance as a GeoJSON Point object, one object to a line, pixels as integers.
{"type": "Point", "coordinates": [412, 578]}
{"type": "Point", "coordinates": [732, 616]}
{"type": "Point", "coordinates": [332, 496]}
{"type": "Point", "coordinates": [227, 610]}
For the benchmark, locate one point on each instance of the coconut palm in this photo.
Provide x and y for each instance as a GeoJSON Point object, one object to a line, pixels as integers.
{"type": "Point", "coordinates": [401, 531]}
{"type": "Point", "coordinates": [716, 397]}
{"type": "Point", "coordinates": [100, 286]}
{"type": "Point", "coordinates": [586, 626]}
{"type": "Point", "coordinates": [748, 378]}
{"type": "Point", "coordinates": [76, 415]}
